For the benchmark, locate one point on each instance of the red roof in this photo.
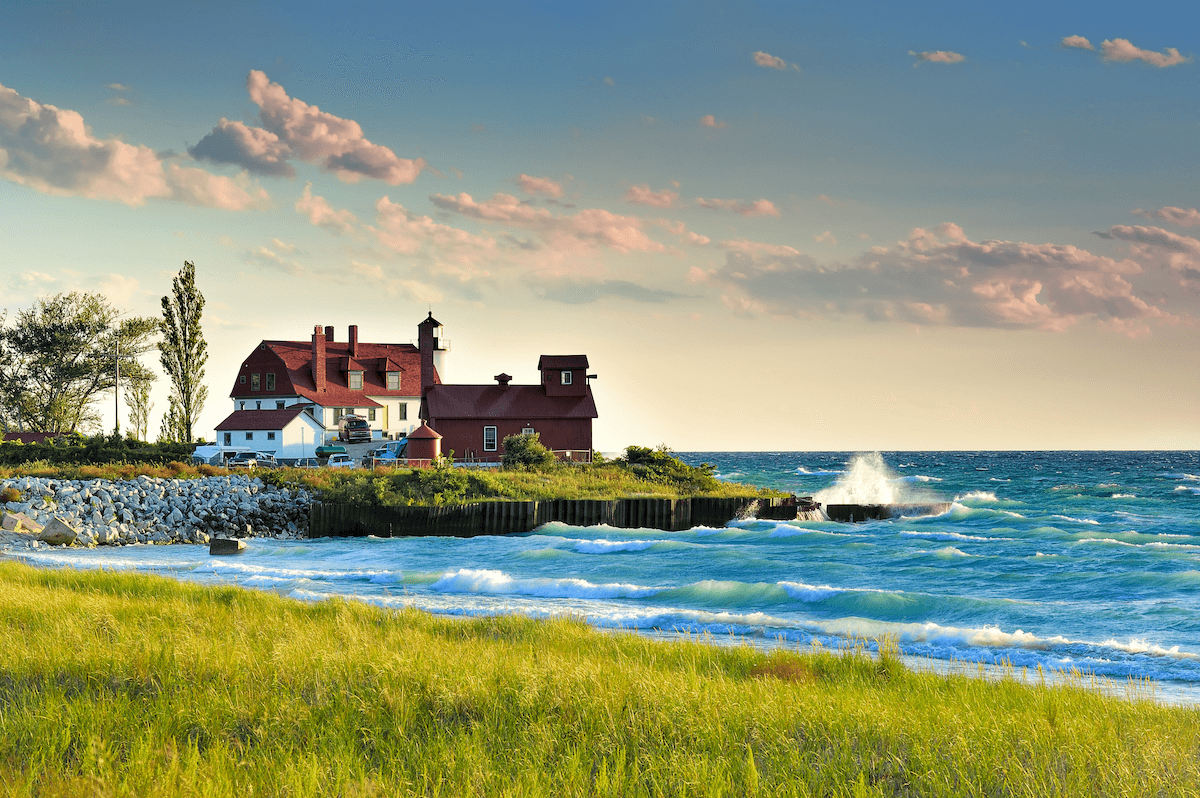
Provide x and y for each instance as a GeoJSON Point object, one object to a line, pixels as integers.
{"type": "Point", "coordinates": [28, 437]}
{"type": "Point", "coordinates": [562, 362]}
{"type": "Point", "coordinates": [261, 419]}
{"type": "Point", "coordinates": [291, 363]}
{"type": "Point", "coordinates": [514, 401]}
{"type": "Point", "coordinates": [424, 432]}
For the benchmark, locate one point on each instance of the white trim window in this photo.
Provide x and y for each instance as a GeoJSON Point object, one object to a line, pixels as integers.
{"type": "Point", "coordinates": [489, 439]}
{"type": "Point", "coordinates": [354, 380]}
{"type": "Point", "coordinates": [527, 430]}
{"type": "Point", "coordinates": [566, 377]}
{"type": "Point", "coordinates": [393, 380]}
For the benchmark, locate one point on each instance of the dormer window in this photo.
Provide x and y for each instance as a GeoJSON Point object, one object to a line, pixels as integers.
{"type": "Point", "coordinates": [393, 380]}
{"type": "Point", "coordinates": [270, 381]}
{"type": "Point", "coordinates": [254, 382]}
{"type": "Point", "coordinates": [354, 380]}
{"type": "Point", "coordinates": [566, 378]}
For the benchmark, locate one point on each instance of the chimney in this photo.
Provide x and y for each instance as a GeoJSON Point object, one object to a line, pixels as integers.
{"type": "Point", "coordinates": [503, 379]}
{"type": "Point", "coordinates": [353, 340]}
{"type": "Point", "coordinates": [329, 334]}
{"type": "Point", "coordinates": [318, 357]}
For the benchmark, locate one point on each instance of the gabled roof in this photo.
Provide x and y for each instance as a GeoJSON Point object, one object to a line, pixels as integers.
{"type": "Point", "coordinates": [291, 362]}
{"type": "Point", "coordinates": [500, 402]}
{"type": "Point", "coordinates": [562, 362]}
{"type": "Point", "coordinates": [261, 419]}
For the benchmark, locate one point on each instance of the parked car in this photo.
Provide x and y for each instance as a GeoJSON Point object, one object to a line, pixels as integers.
{"type": "Point", "coordinates": [307, 462]}
{"type": "Point", "coordinates": [390, 454]}
{"type": "Point", "coordinates": [266, 460]}
{"type": "Point", "coordinates": [354, 429]}
{"type": "Point", "coordinates": [340, 461]}
{"type": "Point", "coordinates": [246, 460]}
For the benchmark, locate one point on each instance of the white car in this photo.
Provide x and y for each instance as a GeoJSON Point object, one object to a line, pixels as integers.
{"type": "Point", "coordinates": [340, 461]}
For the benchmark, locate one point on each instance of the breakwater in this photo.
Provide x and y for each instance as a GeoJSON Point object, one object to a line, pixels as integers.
{"type": "Point", "coordinates": [518, 517]}
{"type": "Point", "coordinates": [156, 510]}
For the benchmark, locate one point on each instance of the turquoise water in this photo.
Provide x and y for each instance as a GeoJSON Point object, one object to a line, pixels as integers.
{"type": "Point", "coordinates": [1064, 560]}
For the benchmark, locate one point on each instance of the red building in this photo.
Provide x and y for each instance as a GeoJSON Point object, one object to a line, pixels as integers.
{"type": "Point", "coordinates": [474, 420]}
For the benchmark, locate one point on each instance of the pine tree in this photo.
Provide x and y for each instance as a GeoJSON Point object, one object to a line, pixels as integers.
{"type": "Point", "coordinates": [183, 354]}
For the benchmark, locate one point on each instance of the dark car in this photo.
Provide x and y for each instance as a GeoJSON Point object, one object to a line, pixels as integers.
{"type": "Point", "coordinates": [247, 460]}
{"type": "Point", "coordinates": [354, 429]}
{"type": "Point", "coordinates": [307, 462]}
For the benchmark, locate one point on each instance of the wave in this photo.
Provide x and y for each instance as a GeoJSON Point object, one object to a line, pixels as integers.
{"type": "Point", "coordinates": [470, 580]}
{"type": "Point", "coordinates": [977, 496]}
{"type": "Point", "coordinates": [949, 536]}
{"type": "Point", "coordinates": [1187, 489]}
{"type": "Point", "coordinates": [818, 472]}
{"type": "Point", "coordinates": [602, 546]}
{"type": "Point", "coordinates": [950, 552]}
{"type": "Point", "coordinates": [1090, 521]}
{"type": "Point", "coordinates": [1124, 496]}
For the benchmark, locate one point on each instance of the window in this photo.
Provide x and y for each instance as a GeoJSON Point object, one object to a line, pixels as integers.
{"type": "Point", "coordinates": [527, 430]}
{"type": "Point", "coordinates": [371, 414]}
{"type": "Point", "coordinates": [229, 439]}
{"type": "Point", "coordinates": [270, 436]}
{"type": "Point", "coordinates": [393, 380]}
{"type": "Point", "coordinates": [249, 436]}
{"type": "Point", "coordinates": [404, 411]}
{"type": "Point", "coordinates": [566, 378]}
{"type": "Point", "coordinates": [354, 379]}
{"type": "Point", "coordinates": [254, 382]}
{"type": "Point", "coordinates": [270, 380]}
{"type": "Point", "coordinates": [263, 347]}
{"type": "Point", "coordinates": [489, 439]}
{"type": "Point", "coordinates": [279, 405]}
{"type": "Point", "coordinates": [242, 379]}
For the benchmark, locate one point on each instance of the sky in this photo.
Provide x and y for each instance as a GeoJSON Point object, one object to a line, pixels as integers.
{"type": "Point", "coordinates": [769, 226]}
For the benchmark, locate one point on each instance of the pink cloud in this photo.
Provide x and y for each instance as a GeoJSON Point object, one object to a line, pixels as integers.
{"type": "Point", "coordinates": [53, 151]}
{"type": "Point", "coordinates": [642, 195]}
{"type": "Point", "coordinates": [938, 57]}
{"type": "Point", "coordinates": [1124, 51]}
{"type": "Point", "coordinates": [1078, 42]}
{"type": "Point", "coordinates": [321, 214]}
{"type": "Point", "coordinates": [769, 61]}
{"type": "Point", "coordinates": [760, 207]}
{"type": "Point", "coordinates": [294, 129]}
{"type": "Point", "coordinates": [539, 185]}
{"type": "Point", "coordinates": [708, 120]}
{"type": "Point", "coordinates": [1184, 217]}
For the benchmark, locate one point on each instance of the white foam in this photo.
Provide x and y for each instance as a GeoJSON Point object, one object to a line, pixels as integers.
{"type": "Point", "coordinates": [1124, 496]}
{"type": "Point", "coordinates": [1091, 521]}
{"type": "Point", "coordinates": [469, 580]}
{"type": "Point", "coordinates": [951, 551]}
{"type": "Point", "coordinates": [809, 593]}
{"type": "Point", "coordinates": [949, 536]}
{"type": "Point", "coordinates": [818, 472]}
{"type": "Point", "coordinates": [977, 496]}
{"type": "Point", "coordinates": [1187, 489]}
{"type": "Point", "coordinates": [611, 546]}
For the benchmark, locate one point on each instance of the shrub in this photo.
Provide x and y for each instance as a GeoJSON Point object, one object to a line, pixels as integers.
{"type": "Point", "coordinates": [10, 495]}
{"type": "Point", "coordinates": [657, 465]}
{"type": "Point", "coordinates": [526, 451]}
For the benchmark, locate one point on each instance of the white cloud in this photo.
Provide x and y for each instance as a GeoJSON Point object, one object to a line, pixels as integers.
{"type": "Point", "coordinates": [760, 207]}
{"type": "Point", "coordinates": [826, 238]}
{"type": "Point", "coordinates": [1184, 217]}
{"type": "Point", "coordinates": [539, 185]}
{"type": "Point", "coordinates": [1078, 42]}
{"type": "Point", "coordinates": [294, 129]}
{"type": "Point", "coordinates": [708, 120]}
{"type": "Point", "coordinates": [938, 57]}
{"type": "Point", "coordinates": [322, 214]}
{"type": "Point", "coordinates": [1124, 51]}
{"type": "Point", "coordinates": [643, 195]}
{"type": "Point", "coordinates": [53, 151]}
{"type": "Point", "coordinates": [769, 61]}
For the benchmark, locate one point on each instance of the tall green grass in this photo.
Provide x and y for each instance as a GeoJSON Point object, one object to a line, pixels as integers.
{"type": "Point", "coordinates": [119, 684]}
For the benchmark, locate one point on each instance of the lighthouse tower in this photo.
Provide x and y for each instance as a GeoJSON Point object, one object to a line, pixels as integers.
{"type": "Point", "coordinates": [433, 347]}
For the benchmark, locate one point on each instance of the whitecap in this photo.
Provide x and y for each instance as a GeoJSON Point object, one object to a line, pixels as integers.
{"type": "Point", "coordinates": [949, 536]}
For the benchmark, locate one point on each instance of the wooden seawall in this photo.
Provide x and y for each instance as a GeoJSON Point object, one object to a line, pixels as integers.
{"type": "Point", "coordinates": [517, 517]}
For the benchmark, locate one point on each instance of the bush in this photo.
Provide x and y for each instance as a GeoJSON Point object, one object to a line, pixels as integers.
{"type": "Point", "coordinates": [657, 465]}
{"type": "Point", "coordinates": [526, 451]}
{"type": "Point", "coordinates": [10, 495]}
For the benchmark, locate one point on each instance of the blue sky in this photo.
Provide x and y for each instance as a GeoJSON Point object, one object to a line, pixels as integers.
{"type": "Point", "coordinates": [770, 226]}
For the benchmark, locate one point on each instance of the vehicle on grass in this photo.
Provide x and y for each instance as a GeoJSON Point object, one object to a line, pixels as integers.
{"type": "Point", "coordinates": [340, 461]}
{"type": "Point", "coordinates": [354, 429]}
{"type": "Point", "coordinates": [215, 455]}
{"type": "Point", "coordinates": [329, 451]}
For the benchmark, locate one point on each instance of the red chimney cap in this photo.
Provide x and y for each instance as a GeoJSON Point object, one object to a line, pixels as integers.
{"type": "Point", "coordinates": [423, 432]}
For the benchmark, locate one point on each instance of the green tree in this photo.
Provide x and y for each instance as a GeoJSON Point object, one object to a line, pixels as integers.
{"type": "Point", "coordinates": [183, 354]}
{"type": "Point", "coordinates": [57, 360]}
{"type": "Point", "coordinates": [526, 451]}
{"type": "Point", "coordinates": [137, 401]}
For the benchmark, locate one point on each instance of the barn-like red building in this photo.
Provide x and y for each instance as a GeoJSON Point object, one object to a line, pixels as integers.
{"type": "Point", "coordinates": [474, 420]}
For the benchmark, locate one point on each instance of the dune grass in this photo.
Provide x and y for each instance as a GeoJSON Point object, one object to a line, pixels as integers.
{"type": "Point", "coordinates": [122, 684]}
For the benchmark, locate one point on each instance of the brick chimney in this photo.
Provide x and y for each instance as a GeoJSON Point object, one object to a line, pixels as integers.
{"type": "Point", "coordinates": [329, 334]}
{"type": "Point", "coordinates": [318, 357]}
{"type": "Point", "coordinates": [353, 340]}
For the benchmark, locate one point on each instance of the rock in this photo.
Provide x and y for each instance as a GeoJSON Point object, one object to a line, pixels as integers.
{"type": "Point", "coordinates": [19, 522]}
{"type": "Point", "coordinates": [226, 546]}
{"type": "Point", "coordinates": [58, 533]}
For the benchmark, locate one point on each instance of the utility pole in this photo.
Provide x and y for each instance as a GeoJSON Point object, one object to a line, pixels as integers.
{"type": "Point", "coordinates": [116, 384]}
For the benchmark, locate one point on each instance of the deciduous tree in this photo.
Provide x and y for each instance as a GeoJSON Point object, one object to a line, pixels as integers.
{"type": "Point", "coordinates": [183, 353]}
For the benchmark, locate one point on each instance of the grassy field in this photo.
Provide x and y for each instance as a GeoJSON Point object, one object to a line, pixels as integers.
{"type": "Point", "coordinates": [120, 684]}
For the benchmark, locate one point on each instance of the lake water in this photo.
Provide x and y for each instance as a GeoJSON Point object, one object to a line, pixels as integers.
{"type": "Point", "coordinates": [1063, 560]}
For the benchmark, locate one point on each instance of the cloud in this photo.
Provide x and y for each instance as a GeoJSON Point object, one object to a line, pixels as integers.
{"type": "Point", "coordinates": [826, 238]}
{"type": "Point", "coordinates": [942, 278]}
{"type": "Point", "coordinates": [52, 150]}
{"type": "Point", "coordinates": [609, 82]}
{"type": "Point", "coordinates": [118, 87]}
{"type": "Point", "coordinates": [252, 148]}
{"type": "Point", "coordinates": [264, 256]}
{"type": "Point", "coordinates": [122, 101]}
{"type": "Point", "coordinates": [322, 214]}
{"type": "Point", "coordinates": [769, 61]}
{"type": "Point", "coordinates": [1124, 51]}
{"type": "Point", "coordinates": [1078, 42]}
{"type": "Point", "coordinates": [1155, 236]}
{"type": "Point", "coordinates": [571, 291]}
{"type": "Point", "coordinates": [293, 129]}
{"type": "Point", "coordinates": [643, 195]}
{"type": "Point", "coordinates": [1184, 217]}
{"type": "Point", "coordinates": [708, 120]}
{"type": "Point", "coordinates": [539, 185]}
{"type": "Point", "coordinates": [1180, 254]}
{"type": "Point", "coordinates": [589, 227]}
{"type": "Point", "coordinates": [938, 57]}
{"type": "Point", "coordinates": [760, 207]}
{"type": "Point", "coordinates": [408, 233]}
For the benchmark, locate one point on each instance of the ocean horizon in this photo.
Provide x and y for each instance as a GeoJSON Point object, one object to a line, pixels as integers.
{"type": "Point", "coordinates": [1056, 562]}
